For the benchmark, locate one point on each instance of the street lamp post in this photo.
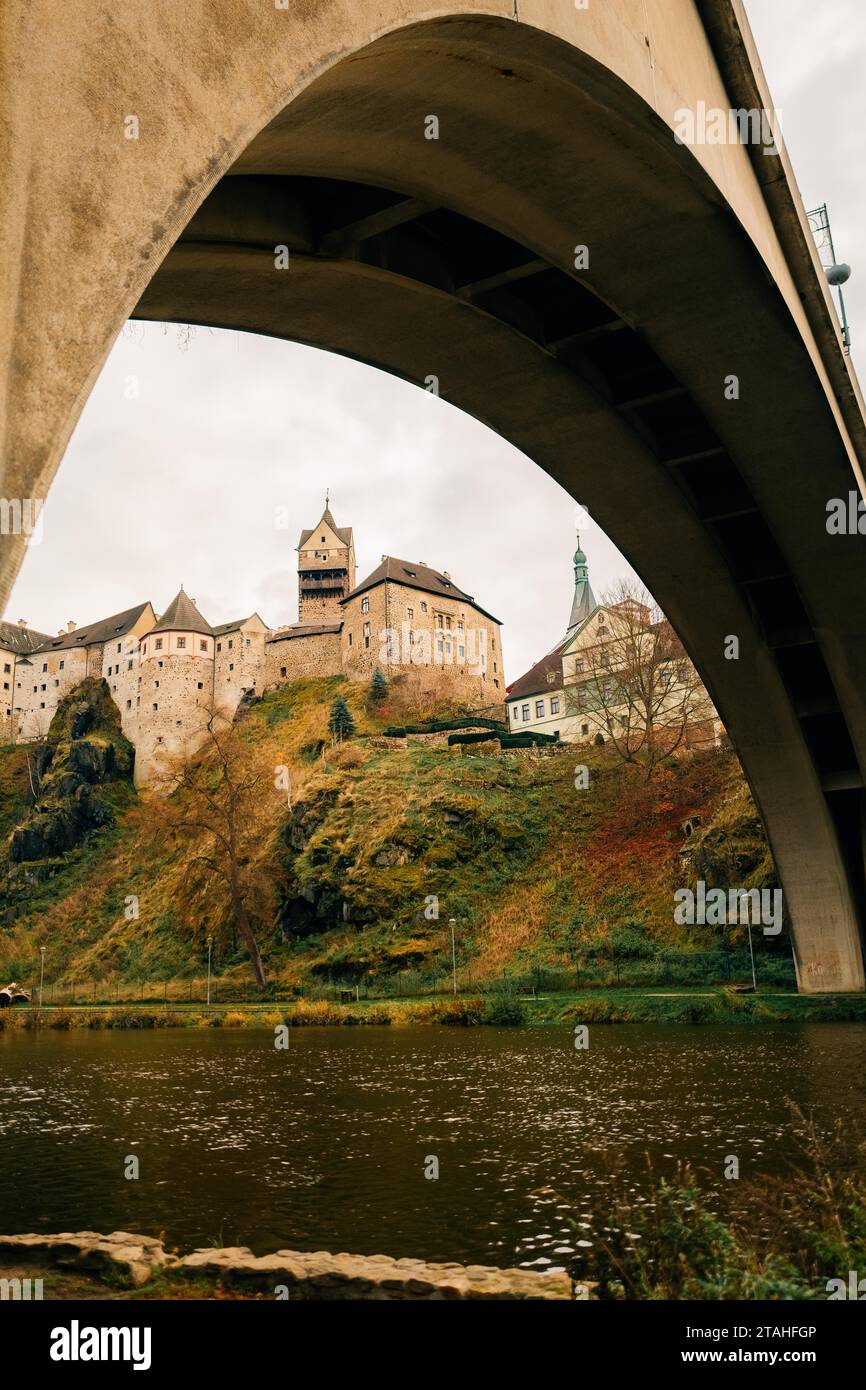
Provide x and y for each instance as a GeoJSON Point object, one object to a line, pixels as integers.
{"type": "Point", "coordinates": [41, 973]}
{"type": "Point", "coordinates": [453, 923]}
{"type": "Point", "coordinates": [209, 949]}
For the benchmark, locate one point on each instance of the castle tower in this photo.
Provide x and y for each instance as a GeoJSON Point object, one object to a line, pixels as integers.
{"type": "Point", "coordinates": [326, 570]}
{"type": "Point", "coordinates": [583, 602]}
{"type": "Point", "coordinates": [175, 689]}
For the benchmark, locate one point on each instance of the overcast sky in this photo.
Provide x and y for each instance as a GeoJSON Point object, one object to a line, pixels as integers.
{"type": "Point", "coordinates": [233, 433]}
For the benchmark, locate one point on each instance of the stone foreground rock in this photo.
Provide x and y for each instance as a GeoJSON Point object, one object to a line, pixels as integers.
{"type": "Point", "coordinates": [135, 1257]}
{"type": "Point", "coordinates": [288, 1273]}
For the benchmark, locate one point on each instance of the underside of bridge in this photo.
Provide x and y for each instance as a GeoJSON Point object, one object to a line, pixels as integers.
{"type": "Point", "coordinates": [454, 258]}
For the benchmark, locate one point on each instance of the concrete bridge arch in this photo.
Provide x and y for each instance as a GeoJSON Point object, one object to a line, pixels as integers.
{"type": "Point", "coordinates": [455, 257]}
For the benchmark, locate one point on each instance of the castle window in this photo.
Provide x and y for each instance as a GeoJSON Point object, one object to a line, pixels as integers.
{"type": "Point", "coordinates": [461, 651]}
{"type": "Point", "coordinates": [181, 643]}
{"type": "Point", "coordinates": [156, 707]}
{"type": "Point", "coordinates": [6, 668]}
{"type": "Point", "coordinates": [283, 669]}
{"type": "Point", "coordinates": [539, 709]}
{"type": "Point", "coordinates": [231, 665]}
{"type": "Point", "coordinates": [584, 728]}
{"type": "Point", "coordinates": [202, 646]}
{"type": "Point", "coordinates": [161, 664]}
{"type": "Point", "coordinates": [57, 682]}
{"type": "Point", "coordinates": [43, 687]}
{"type": "Point", "coordinates": [350, 639]}
{"type": "Point", "coordinates": [248, 641]}
{"type": "Point", "coordinates": [129, 704]}
{"type": "Point", "coordinates": [5, 685]}
{"type": "Point", "coordinates": [365, 605]}
{"type": "Point", "coordinates": [231, 644]}
{"type": "Point", "coordinates": [41, 704]}
{"type": "Point", "coordinates": [496, 683]}
{"type": "Point", "coordinates": [579, 665]}
{"type": "Point", "coordinates": [158, 644]}
{"type": "Point", "coordinates": [525, 712]}
{"type": "Point", "coordinates": [219, 646]}
{"type": "Point", "coordinates": [423, 608]}
{"type": "Point", "coordinates": [201, 685]}
{"type": "Point", "coordinates": [410, 613]}
{"type": "Point", "coordinates": [447, 622]}
{"type": "Point", "coordinates": [137, 701]}
{"type": "Point", "coordinates": [129, 665]}
{"type": "Point", "coordinates": [62, 664]}
{"type": "Point", "coordinates": [323, 540]}
{"type": "Point", "coordinates": [156, 683]}
{"type": "Point", "coordinates": [494, 666]}
{"type": "Point", "coordinates": [439, 646]}
{"type": "Point", "coordinates": [118, 646]}
{"type": "Point", "coordinates": [159, 740]}
{"type": "Point", "coordinates": [45, 665]}
{"type": "Point", "coordinates": [554, 704]}
{"type": "Point", "coordinates": [177, 723]}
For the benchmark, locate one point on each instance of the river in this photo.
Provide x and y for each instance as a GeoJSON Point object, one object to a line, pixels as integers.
{"type": "Point", "coordinates": [324, 1146]}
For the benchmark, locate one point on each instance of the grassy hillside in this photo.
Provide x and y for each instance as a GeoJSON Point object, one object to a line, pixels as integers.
{"type": "Point", "coordinates": [546, 882]}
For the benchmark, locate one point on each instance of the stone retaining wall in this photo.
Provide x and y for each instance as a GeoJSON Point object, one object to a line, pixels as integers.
{"type": "Point", "coordinates": [288, 1273]}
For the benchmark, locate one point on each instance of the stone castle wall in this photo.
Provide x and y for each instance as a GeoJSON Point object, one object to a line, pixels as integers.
{"type": "Point", "coordinates": [437, 640]}
{"type": "Point", "coordinates": [292, 658]}
{"type": "Point", "coordinates": [175, 697]}
{"type": "Point", "coordinates": [240, 664]}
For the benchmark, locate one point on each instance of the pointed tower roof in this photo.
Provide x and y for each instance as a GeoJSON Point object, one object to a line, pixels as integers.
{"type": "Point", "coordinates": [182, 616]}
{"type": "Point", "coordinates": [344, 532]}
{"type": "Point", "coordinates": [584, 599]}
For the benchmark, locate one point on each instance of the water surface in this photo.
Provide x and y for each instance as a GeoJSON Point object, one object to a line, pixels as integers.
{"type": "Point", "coordinates": [323, 1146]}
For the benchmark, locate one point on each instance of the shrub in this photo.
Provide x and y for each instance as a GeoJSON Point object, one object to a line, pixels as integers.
{"type": "Point", "coordinates": [503, 1009]}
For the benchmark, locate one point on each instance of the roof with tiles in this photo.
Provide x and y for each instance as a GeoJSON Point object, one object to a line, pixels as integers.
{"type": "Point", "coordinates": [415, 576]}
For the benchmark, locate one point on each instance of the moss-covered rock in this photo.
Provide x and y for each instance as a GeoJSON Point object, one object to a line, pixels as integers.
{"type": "Point", "coordinates": [79, 771]}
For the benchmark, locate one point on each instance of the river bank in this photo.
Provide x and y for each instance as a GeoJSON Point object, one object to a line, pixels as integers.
{"type": "Point", "coordinates": [89, 1265]}
{"type": "Point", "coordinates": [494, 1009]}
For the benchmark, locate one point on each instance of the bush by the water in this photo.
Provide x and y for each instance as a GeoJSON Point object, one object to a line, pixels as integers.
{"type": "Point", "coordinates": [784, 1236]}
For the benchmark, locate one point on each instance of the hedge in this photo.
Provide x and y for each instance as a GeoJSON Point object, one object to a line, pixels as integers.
{"type": "Point", "coordinates": [441, 726]}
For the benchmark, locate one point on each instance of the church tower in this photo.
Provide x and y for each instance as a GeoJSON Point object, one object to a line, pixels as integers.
{"type": "Point", "coordinates": [326, 570]}
{"type": "Point", "coordinates": [583, 602]}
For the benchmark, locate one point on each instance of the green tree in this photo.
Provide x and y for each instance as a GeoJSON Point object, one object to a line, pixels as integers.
{"type": "Point", "coordinates": [341, 723]}
{"type": "Point", "coordinates": [379, 686]}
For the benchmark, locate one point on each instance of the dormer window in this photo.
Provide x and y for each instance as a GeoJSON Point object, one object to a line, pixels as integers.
{"type": "Point", "coordinates": [413, 574]}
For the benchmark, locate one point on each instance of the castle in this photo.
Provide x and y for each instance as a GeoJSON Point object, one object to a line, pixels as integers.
{"type": "Point", "coordinates": [166, 673]}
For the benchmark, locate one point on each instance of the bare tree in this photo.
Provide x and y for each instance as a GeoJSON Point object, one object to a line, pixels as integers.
{"type": "Point", "coordinates": [216, 793]}
{"type": "Point", "coordinates": [633, 680]}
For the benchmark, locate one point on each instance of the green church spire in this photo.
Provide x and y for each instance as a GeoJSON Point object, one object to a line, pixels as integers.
{"type": "Point", "coordinates": [584, 599]}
